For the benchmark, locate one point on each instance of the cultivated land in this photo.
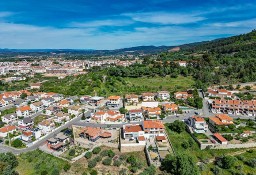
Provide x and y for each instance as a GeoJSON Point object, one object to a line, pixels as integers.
{"type": "Point", "coordinates": [167, 83]}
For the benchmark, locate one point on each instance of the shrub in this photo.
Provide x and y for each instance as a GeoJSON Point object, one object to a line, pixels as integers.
{"type": "Point", "coordinates": [72, 152]}
{"type": "Point", "coordinates": [117, 163]}
{"type": "Point", "coordinates": [239, 157]}
{"type": "Point", "coordinates": [55, 171]}
{"type": "Point", "coordinates": [96, 150]}
{"type": "Point", "coordinates": [98, 158]}
{"type": "Point", "coordinates": [185, 144]}
{"type": "Point", "coordinates": [17, 143]}
{"type": "Point", "coordinates": [123, 157]}
{"type": "Point", "coordinates": [111, 154]}
{"type": "Point", "coordinates": [92, 163]}
{"type": "Point", "coordinates": [250, 151]}
{"type": "Point", "coordinates": [44, 172]}
{"type": "Point", "coordinates": [251, 163]}
{"type": "Point", "coordinates": [88, 155]}
{"type": "Point", "coordinates": [107, 161]}
{"type": "Point", "coordinates": [131, 159]}
{"type": "Point", "coordinates": [226, 162]}
{"type": "Point", "coordinates": [93, 172]}
{"type": "Point", "coordinates": [104, 153]}
{"type": "Point", "coordinates": [134, 169]}
{"type": "Point", "coordinates": [66, 167]}
{"type": "Point", "coordinates": [228, 137]}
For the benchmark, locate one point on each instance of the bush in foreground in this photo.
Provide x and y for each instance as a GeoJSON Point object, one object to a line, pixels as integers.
{"type": "Point", "coordinates": [88, 155]}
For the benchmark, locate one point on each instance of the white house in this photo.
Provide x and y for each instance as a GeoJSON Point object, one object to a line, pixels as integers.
{"type": "Point", "coordinates": [114, 101]}
{"type": "Point", "coordinates": [47, 101]}
{"type": "Point", "coordinates": [148, 96]}
{"type": "Point", "coordinates": [26, 136]}
{"type": "Point", "coordinates": [9, 118]}
{"type": "Point", "coordinates": [135, 115]}
{"type": "Point", "coordinates": [61, 117]}
{"type": "Point", "coordinates": [74, 110]}
{"type": "Point", "coordinates": [46, 126]}
{"type": "Point", "coordinates": [111, 116]}
{"type": "Point", "coordinates": [163, 95]}
{"type": "Point", "coordinates": [37, 106]}
{"type": "Point", "coordinates": [7, 129]}
{"type": "Point", "coordinates": [198, 124]}
{"type": "Point", "coordinates": [23, 111]}
{"type": "Point", "coordinates": [132, 99]}
{"type": "Point", "coordinates": [25, 123]}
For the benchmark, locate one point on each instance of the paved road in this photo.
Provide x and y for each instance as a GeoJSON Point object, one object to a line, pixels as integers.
{"type": "Point", "coordinates": [4, 148]}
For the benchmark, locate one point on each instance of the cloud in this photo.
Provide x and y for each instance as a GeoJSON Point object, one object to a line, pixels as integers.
{"type": "Point", "coordinates": [5, 14]}
{"type": "Point", "coordinates": [101, 23]}
{"type": "Point", "coordinates": [242, 23]}
{"type": "Point", "coordinates": [165, 18]}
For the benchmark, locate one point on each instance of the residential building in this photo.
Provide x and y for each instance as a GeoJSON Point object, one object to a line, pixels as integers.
{"type": "Point", "coordinates": [135, 115]}
{"type": "Point", "coordinates": [94, 133]}
{"type": "Point", "coordinates": [23, 111]}
{"type": "Point", "coordinates": [9, 118]}
{"type": "Point", "coordinates": [182, 95]}
{"type": "Point", "coordinates": [35, 86]}
{"type": "Point", "coordinates": [25, 123]}
{"type": "Point", "coordinates": [108, 116]}
{"type": "Point", "coordinates": [47, 101]}
{"type": "Point", "coordinates": [114, 101]}
{"type": "Point", "coordinates": [64, 103]}
{"type": "Point", "coordinates": [170, 108]}
{"type": "Point", "coordinates": [148, 96]}
{"type": "Point", "coordinates": [37, 106]}
{"type": "Point", "coordinates": [61, 117]}
{"type": "Point", "coordinates": [221, 93]}
{"type": "Point", "coordinates": [221, 120]}
{"type": "Point", "coordinates": [148, 129]}
{"type": "Point", "coordinates": [198, 124]}
{"type": "Point", "coordinates": [237, 107]}
{"type": "Point", "coordinates": [152, 113]}
{"type": "Point", "coordinates": [46, 126]}
{"type": "Point", "coordinates": [220, 139]}
{"type": "Point", "coordinates": [26, 136]}
{"type": "Point", "coordinates": [74, 110]}
{"type": "Point", "coordinates": [163, 95]}
{"type": "Point", "coordinates": [4, 131]}
{"type": "Point", "coordinates": [132, 99]}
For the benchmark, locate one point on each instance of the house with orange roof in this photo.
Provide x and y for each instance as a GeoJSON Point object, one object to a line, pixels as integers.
{"type": "Point", "coordinates": [64, 103]}
{"type": "Point", "coordinates": [220, 139]}
{"type": "Point", "coordinates": [3, 103]}
{"type": "Point", "coordinates": [221, 93]}
{"type": "Point", "coordinates": [26, 136]}
{"type": "Point", "coordinates": [221, 120]}
{"type": "Point", "coordinates": [170, 108]}
{"type": "Point", "coordinates": [182, 95]}
{"type": "Point", "coordinates": [4, 131]}
{"type": "Point", "coordinates": [148, 96]}
{"type": "Point", "coordinates": [132, 99]}
{"type": "Point", "coordinates": [114, 101]}
{"type": "Point", "coordinates": [198, 124]}
{"type": "Point", "coordinates": [152, 113]}
{"type": "Point", "coordinates": [108, 116]}
{"type": "Point", "coordinates": [148, 129]}
{"type": "Point", "coordinates": [94, 133]}
{"type": "Point", "coordinates": [23, 111]}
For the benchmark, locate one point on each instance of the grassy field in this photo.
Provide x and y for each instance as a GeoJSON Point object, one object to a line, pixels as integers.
{"type": "Point", "coordinates": [167, 83]}
{"type": "Point", "coordinates": [35, 162]}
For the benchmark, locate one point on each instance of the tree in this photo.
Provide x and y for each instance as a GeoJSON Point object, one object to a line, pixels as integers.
{"type": "Point", "coordinates": [23, 95]}
{"type": "Point", "coordinates": [122, 110]}
{"type": "Point", "coordinates": [8, 163]}
{"type": "Point", "coordinates": [96, 150]}
{"type": "Point", "coordinates": [251, 163]}
{"type": "Point", "coordinates": [180, 164]}
{"type": "Point", "coordinates": [83, 116]}
{"type": "Point", "coordinates": [55, 171]}
{"type": "Point", "coordinates": [162, 116]}
{"type": "Point", "coordinates": [66, 167]}
{"type": "Point", "coordinates": [177, 126]}
{"type": "Point", "coordinates": [226, 162]}
{"type": "Point", "coordinates": [72, 152]}
{"type": "Point", "coordinates": [88, 155]}
{"type": "Point", "coordinates": [107, 161]}
{"type": "Point", "coordinates": [17, 143]}
{"type": "Point", "coordinates": [151, 170]}
{"type": "Point", "coordinates": [111, 154]}
{"type": "Point", "coordinates": [117, 163]}
{"type": "Point", "coordinates": [92, 163]}
{"type": "Point", "coordinates": [93, 172]}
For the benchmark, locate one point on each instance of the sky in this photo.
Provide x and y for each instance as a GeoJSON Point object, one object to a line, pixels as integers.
{"type": "Point", "coordinates": [114, 24]}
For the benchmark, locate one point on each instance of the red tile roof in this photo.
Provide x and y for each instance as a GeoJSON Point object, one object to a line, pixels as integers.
{"type": "Point", "coordinates": [133, 128]}
{"type": "Point", "coordinates": [219, 137]}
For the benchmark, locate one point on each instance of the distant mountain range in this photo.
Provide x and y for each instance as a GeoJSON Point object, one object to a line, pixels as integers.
{"type": "Point", "coordinates": [224, 45]}
{"type": "Point", "coordinates": [131, 50]}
